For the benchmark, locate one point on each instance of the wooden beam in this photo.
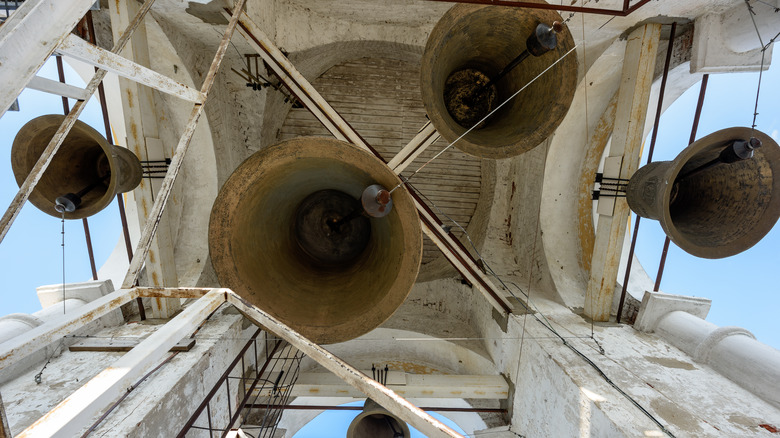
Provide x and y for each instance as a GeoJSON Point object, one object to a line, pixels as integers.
{"type": "Point", "coordinates": [119, 344]}
{"type": "Point", "coordinates": [391, 401]}
{"type": "Point", "coordinates": [28, 37]}
{"type": "Point", "coordinates": [68, 418]}
{"type": "Point", "coordinates": [404, 384]}
{"type": "Point", "coordinates": [155, 215]}
{"type": "Point", "coordinates": [426, 137]}
{"type": "Point", "coordinates": [632, 104]}
{"type": "Point", "coordinates": [57, 87]}
{"type": "Point", "coordinates": [76, 48]}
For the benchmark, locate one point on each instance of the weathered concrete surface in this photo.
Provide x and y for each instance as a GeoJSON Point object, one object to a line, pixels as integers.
{"type": "Point", "coordinates": [159, 406]}
{"type": "Point", "coordinates": [688, 398]}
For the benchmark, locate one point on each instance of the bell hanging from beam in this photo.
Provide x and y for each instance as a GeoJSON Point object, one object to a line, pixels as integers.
{"type": "Point", "coordinates": [718, 197]}
{"type": "Point", "coordinates": [477, 57]}
{"type": "Point", "coordinates": [377, 422]}
{"type": "Point", "coordinates": [308, 231]}
{"type": "Point", "coordinates": [85, 174]}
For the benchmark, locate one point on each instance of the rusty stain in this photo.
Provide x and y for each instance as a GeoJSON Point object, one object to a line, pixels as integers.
{"type": "Point", "coordinates": [151, 256]}
{"type": "Point", "coordinates": [479, 392]}
{"type": "Point", "coordinates": [770, 428]}
{"type": "Point", "coordinates": [595, 149]}
{"type": "Point", "coordinates": [411, 368]}
{"type": "Point", "coordinates": [156, 282]}
{"type": "Point", "coordinates": [314, 390]}
{"type": "Point", "coordinates": [129, 98]}
{"type": "Point", "coordinates": [134, 130]}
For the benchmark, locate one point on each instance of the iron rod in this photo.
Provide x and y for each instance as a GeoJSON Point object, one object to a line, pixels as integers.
{"type": "Point", "coordinates": [653, 138]}
{"type": "Point", "coordinates": [520, 4]}
{"type": "Point", "coordinates": [213, 391]}
{"type": "Point", "coordinates": [696, 117]}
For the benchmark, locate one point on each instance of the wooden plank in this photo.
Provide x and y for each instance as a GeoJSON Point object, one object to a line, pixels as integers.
{"type": "Point", "coordinates": [633, 99]}
{"type": "Point", "coordinates": [108, 344]}
{"type": "Point", "coordinates": [404, 384]}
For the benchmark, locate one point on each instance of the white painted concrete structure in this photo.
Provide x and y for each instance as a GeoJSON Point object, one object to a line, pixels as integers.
{"type": "Point", "coordinates": [562, 367]}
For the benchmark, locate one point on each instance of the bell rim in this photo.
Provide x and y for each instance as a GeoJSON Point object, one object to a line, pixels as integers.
{"type": "Point", "coordinates": [222, 218]}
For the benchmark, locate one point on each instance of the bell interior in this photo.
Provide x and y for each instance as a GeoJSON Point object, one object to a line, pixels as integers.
{"type": "Point", "coordinates": [256, 252]}
{"type": "Point", "coordinates": [722, 205]}
{"type": "Point", "coordinates": [80, 161]}
{"type": "Point", "coordinates": [487, 39]}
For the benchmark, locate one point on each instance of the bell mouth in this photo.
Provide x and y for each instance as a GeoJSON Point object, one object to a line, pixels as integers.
{"type": "Point", "coordinates": [269, 242]}
{"type": "Point", "coordinates": [472, 42]}
{"type": "Point", "coordinates": [728, 208]}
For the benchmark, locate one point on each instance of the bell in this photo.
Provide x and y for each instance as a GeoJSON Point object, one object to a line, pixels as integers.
{"type": "Point", "coordinates": [377, 422]}
{"type": "Point", "coordinates": [299, 231]}
{"type": "Point", "coordinates": [719, 197]}
{"type": "Point", "coordinates": [477, 57]}
{"type": "Point", "coordinates": [85, 174]}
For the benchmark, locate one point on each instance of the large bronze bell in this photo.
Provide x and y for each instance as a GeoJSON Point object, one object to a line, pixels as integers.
{"type": "Point", "coordinates": [708, 206]}
{"type": "Point", "coordinates": [288, 233]}
{"type": "Point", "coordinates": [84, 165]}
{"type": "Point", "coordinates": [469, 47]}
{"type": "Point", "coordinates": [377, 422]}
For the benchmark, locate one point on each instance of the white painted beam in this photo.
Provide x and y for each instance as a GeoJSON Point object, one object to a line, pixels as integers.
{"type": "Point", "coordinates": [426, 137]}
{"type": "Point", "coordinates": [81, 50]}
{"type": "Point", "coordinates": [28, 37]}
{"type": "Point", "coordinates": [627, 136]}
{"type": "Point", "coordinates": [68, 418]}
{"type": "Point", "coordinates": [58, 88]}
{"type": "Point", "coordinates": [404, 384]}
{"type": "Point", "coordinates": [391, 401]}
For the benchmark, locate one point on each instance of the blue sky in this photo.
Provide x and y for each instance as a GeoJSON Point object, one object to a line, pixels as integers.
{"type": "Point", "coordinates": [334, 424]}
